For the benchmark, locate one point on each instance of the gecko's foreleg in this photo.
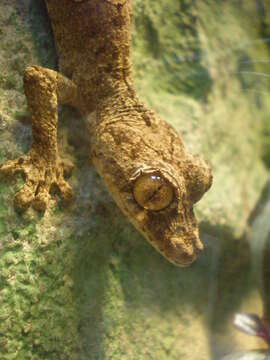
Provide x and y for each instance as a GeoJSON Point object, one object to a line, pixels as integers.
{"type": "Point", "coordinates": [41, 166]}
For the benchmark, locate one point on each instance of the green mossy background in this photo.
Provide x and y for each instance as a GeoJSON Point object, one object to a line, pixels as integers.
{"type": "Point", "coordinates": [81, 283]}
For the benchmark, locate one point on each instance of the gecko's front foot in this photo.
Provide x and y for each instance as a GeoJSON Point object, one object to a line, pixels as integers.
{"type": "Point", "coordinates": [41, 176]}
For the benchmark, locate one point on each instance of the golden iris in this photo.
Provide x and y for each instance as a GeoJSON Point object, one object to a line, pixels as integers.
{"type": "Point", "coordinates": [153, 192]}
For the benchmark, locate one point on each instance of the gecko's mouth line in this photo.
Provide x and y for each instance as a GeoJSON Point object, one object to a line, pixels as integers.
{"type": "Point", "coordinates": [184, 263]}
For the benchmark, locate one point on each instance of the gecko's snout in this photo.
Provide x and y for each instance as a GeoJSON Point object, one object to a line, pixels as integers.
{"type": "Point", "coordinates": [183, 252]}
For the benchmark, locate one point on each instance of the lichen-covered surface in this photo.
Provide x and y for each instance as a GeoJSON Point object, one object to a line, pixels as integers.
{"type": "Point", "coordinates": [81, 283]}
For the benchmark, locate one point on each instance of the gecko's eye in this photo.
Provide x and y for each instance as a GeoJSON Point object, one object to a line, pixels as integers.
{"type": "Point", "coordinates": [153, 192]}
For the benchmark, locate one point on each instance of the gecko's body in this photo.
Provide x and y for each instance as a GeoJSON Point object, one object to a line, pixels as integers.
{"type": "Point", "coordinates": [140, 158]}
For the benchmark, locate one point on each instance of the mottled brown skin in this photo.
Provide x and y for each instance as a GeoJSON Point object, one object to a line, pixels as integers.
{"type": "Point", "coordinates": [127, 139]}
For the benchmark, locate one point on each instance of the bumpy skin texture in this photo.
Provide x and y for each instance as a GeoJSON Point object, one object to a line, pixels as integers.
{"type": "Point", "coordinates": [128, 141]}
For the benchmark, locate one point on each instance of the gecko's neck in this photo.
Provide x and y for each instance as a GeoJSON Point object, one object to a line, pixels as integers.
{"type": "Point", "coordinates": [92, 40]}
{"type": "Point", "coordinates": [91, 36]}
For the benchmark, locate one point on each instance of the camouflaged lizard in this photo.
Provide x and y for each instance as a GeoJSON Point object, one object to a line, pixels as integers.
{"type": "Point", "coordinates": [140, 158]}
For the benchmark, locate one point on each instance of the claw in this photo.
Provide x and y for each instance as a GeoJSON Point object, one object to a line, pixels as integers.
{"type": "Point", "coordinates": [25, 196]}
{"type": "Point", "coordinates": [65, 189]}
{"type": "Point", "coordinates": [42, 198]}
{"type": "Point", "coordinates": [67, 166]}
{"type": "Point", "coordinates": [10, 167]}
{"type": "Point", "coordinates": [36, 190]}
{"type": "Point", "coordinates": [41, 202]}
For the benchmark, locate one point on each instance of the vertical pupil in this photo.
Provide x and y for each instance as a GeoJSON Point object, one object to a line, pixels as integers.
{"type": "Point", "coordinates": [152, 192]}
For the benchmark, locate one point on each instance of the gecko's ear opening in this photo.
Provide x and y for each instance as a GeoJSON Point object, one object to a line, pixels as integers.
{"type": "Point", "coordinates": [199, 178]}
{"type": "Point", "coordinates": [153, 192]}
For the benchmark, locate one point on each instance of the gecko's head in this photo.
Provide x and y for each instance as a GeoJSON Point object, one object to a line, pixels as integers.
{"type": "Point", "coordinates": [162, 208]}
{"type": "Point", "coordinates": [155, 188]}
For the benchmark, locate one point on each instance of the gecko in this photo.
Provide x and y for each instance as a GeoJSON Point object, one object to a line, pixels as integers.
{"type": "Point", "coordinates": [140, 158]}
